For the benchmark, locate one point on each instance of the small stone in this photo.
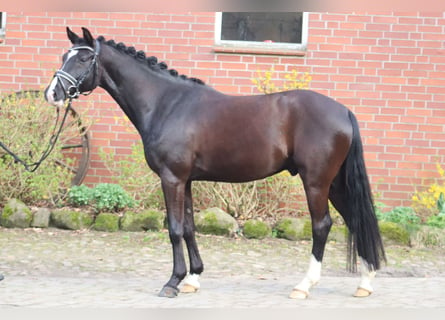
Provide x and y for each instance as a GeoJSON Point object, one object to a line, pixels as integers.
{"type": "Point", "coordinates": [256, 229]}
{"type": "Point", "coordinates": [142, 221]}
{"type": "Point", "coordinates": [294, 229]}
{"type": "Point", "coordinates": [215, 221]}
{"type": "Point", "coordinates": [72, 220]}
{"type": "Point", "coordinates": [41, 218]}
{"type": "Point", "coordinates": [107, 222]}
{"type": "Point", "coordinates": [16, 214]}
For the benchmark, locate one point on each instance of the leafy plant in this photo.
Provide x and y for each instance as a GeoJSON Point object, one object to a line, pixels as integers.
{"type": "Point", "coordinates": [441, 204]}
{"type": "Point", "coordinates": [79, 196]}
{"type": "Point", "coordinates": [25, 123]}
{"type": "Point", "coordinates": [104, 197]}
{"type": "Point", "coordinates": [133, 174]}
{"type": "Point", "coordinates": [439, 219]}
{"type": "Point", "coordinates": [436, 221]}
{"type": "Point", "coordinates": [111, 197]}
{"type": "Point", "coordinates": [431, 201]}
{"type": "Point", "coordinates": [404, 216]}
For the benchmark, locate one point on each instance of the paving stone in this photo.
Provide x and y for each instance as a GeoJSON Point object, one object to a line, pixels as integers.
{"type": "Point", "coordinates": [46, 268]}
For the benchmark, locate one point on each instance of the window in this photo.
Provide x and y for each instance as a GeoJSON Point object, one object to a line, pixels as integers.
{"type": "Point", "coordinates": [262, 30]}
{"type": "Point", "coordinates": [2, 25]}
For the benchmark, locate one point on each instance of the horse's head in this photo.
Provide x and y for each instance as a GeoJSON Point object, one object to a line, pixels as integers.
{"type": "Point", "coordinates": [78, 73]}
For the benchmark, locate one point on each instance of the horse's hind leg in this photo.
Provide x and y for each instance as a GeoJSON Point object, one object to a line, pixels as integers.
{"type": "Point", "coordinates": [340, 202]}
{"type": "Point", "coordinates": [191, 282]}
{"type": "Point", "coordinates": [317, 199]}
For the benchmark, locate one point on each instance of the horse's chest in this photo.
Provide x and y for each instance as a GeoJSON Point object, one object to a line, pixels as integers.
{"type": "Point", "coordinates": [167, 152]}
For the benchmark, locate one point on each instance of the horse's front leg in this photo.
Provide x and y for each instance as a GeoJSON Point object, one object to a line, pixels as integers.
{"type": "Point", "coordinates": [173, 190]}
{"type": "Point", "coordinates": [191, 283]}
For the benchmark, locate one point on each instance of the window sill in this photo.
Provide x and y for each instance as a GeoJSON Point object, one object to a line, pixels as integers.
{"type": "Point", "coordinates": [258, 50]}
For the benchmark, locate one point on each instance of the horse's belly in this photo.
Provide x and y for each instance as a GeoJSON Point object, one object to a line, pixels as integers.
{"type": "Point", "coordinates": [239, 166]}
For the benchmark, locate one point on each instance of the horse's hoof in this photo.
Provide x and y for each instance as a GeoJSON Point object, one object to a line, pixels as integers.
{"type": "Point", "coordinates": [362, 293]}
{"type": "Point", "coordinates": [169, 292]}
{"type": "Point", "coordinates": [188, 288]}
{"type": "Point", "coordinates": [1, 277]}
{"type": "Point", "coordinates": [298, 294]}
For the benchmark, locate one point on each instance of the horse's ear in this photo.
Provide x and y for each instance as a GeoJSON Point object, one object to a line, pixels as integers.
{"type": "Point", "coordinates": [74, 38]}
{"type": "Point", "coordinates": [88, 37]}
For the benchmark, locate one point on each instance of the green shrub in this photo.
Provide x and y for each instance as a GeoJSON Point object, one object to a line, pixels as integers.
{"type": "Point", "coordinates": [404, 216]}
{"type": "Point", "coordinates": [441, 204]}
{"type": "Point", "coordinates": [133, 174]}
{"type": "Point", "coordinates": [436, 221]}
{"type": "Point", "coordinates": [432, 200]}
{"type": "Point", "coordinates": [103, 197]}
{"type": "Point", "coordinates": [26, 124]}
{"type": "Point", "coordinates": [111, 197]}
{"type": "Point", "coordinates": [79, 196]}
{"type": "Point", "coordinates": [256, 229]}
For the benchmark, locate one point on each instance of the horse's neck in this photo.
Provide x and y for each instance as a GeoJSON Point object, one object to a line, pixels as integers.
{"type": "Point", "coordinates": [133, 86]}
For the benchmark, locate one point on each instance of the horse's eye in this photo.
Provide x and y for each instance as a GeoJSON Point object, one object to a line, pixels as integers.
{"type": "Point", "coordinates": [85, 58]}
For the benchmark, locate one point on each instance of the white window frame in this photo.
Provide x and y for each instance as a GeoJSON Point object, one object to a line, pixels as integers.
{"type": "Point", "coordinates": [259, 44]}
{"type": "Point", "coordinates": [3, 26]}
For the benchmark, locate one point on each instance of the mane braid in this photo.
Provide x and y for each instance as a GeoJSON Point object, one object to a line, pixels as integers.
{"type": "Point", "coordinates": [151, 62]}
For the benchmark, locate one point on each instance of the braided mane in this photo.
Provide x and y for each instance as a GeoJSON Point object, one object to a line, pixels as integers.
{"type": "Point", "coordinates": [151, 62]}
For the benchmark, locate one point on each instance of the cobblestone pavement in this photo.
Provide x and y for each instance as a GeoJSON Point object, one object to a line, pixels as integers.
{"type": "Point", "coordinates": [56, 268]}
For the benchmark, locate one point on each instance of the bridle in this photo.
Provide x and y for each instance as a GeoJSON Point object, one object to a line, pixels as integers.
{"type": "Point", "coordinates": [73, 91]}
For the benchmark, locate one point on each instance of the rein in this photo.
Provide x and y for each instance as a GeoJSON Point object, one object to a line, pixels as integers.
{"type": "Point", "coordinates": [32, 166]}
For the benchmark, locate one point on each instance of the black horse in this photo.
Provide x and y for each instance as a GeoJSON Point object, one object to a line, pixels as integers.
{"type": "Point", "coordinates": [192, 132]}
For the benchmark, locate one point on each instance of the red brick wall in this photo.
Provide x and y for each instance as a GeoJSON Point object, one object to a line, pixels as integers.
{"type": "Point", "coordinates": [389, 68]}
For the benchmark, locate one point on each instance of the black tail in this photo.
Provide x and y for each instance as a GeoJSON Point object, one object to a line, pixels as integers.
{"type": "Point", "coordinates": [359, 206]}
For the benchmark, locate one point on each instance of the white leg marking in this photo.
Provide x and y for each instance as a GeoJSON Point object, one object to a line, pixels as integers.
{"type": "Point", "coordinates": [193, 280]}
{"type": "Point", "coordinates": [191, 284]}
{"type": "Point", "coordinates": [312, 276]}
{"type": "Point", "coordinates": [367, 275]}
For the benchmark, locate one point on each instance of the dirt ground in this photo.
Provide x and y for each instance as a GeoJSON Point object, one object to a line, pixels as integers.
{"type": "Point", "coordinates": [55, 252]}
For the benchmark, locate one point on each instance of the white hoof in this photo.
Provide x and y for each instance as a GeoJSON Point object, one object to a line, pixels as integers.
{"type": "Point", "coordinates": [187, 288]}
{"type": "Point", "coordinates": [191, 284]}
{"type": "Point", "coordinates": [362, 293]}
{"type": "Point", "coordinates": [298, 294]}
